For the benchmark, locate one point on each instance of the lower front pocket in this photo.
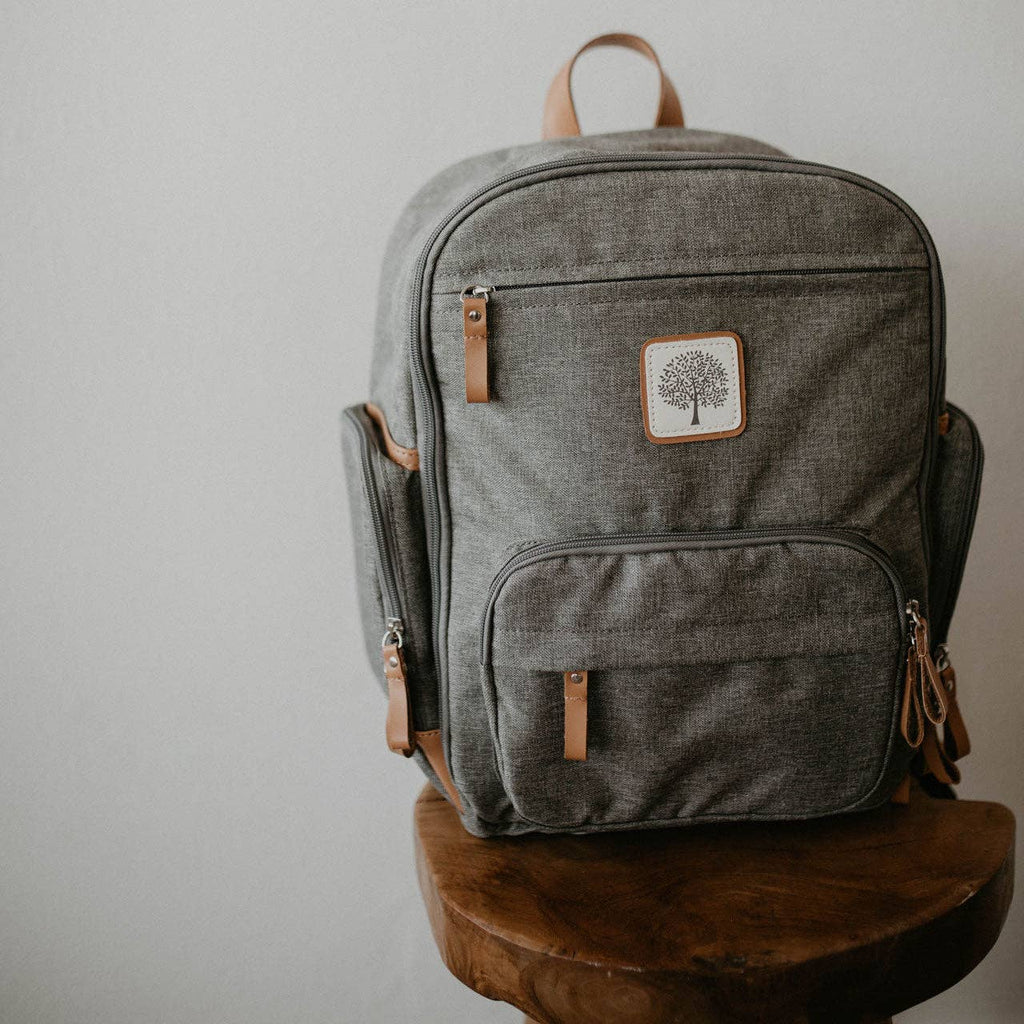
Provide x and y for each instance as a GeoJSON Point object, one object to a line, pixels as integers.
{"type": "Point", "coordinates": [691, 677]}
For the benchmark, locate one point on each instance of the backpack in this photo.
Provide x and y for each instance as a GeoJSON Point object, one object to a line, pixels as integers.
{"type": "Point", "coordinates": [660, 511]}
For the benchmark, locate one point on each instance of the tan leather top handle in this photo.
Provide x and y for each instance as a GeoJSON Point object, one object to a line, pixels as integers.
{"type": "Point", "coordinates": [559, 111]}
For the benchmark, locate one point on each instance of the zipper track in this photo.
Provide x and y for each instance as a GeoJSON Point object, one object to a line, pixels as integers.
{"type": "Point", "coordinates": [966, 515]}
{"type": "Point", "coordinates": [641, 278]}
{"type": "Point", "coordinates": [653, 542]}
{"type": "Point", "coordinates": [388, 576]}
{"type": "Point", "coordinates": [423, 385]}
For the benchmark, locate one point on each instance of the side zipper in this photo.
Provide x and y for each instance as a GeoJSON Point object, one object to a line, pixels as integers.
{"type": "Point", "coordinates": [929, 701]}
{"type": "Point", "coordinates": [401, 737]}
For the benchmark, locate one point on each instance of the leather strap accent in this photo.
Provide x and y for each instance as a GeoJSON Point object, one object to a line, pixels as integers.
{"type": "Point", "coordinates": [911, 716]}
{"type": "Point", "coordinates": [901, 794]}
{"type": "Point", "coordinates": [429, 743]}
{"type": "Point", "coordinates": [398, 725]}
{"type": "Point", "coordinates": [933, 694]}
{"type": "Point", "coordinates": [407, 458]}
{"type": "Point", "coordinates": [474, 328]}
{"type": "Point", "coordinates": [935, 760]}
{"type": "Point", "coordinates": [944, 423]}
{"type": "Point", "coordinates": [560, 112]}
{"type": "Point", "coordinates": [955, 741]}
{"type": "Point", "coordinates": [575, 684]}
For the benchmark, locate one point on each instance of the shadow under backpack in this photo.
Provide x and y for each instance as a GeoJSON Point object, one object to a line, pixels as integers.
{"type": "Point", "coordinates": [659, 508]}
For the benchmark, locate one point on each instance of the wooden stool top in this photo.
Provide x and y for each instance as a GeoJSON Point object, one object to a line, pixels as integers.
{"type": "Point", "coordinates": [842, 919]}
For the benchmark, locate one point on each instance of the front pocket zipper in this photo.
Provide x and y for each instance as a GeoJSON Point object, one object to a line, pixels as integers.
{"type": "Point", "coordinates": [738, 674]}
{"type": "Point", "coordinates": [666, 541]}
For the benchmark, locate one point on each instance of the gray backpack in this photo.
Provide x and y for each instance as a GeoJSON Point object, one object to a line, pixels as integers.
{"type": "Point", "coordinates": [660, 510]}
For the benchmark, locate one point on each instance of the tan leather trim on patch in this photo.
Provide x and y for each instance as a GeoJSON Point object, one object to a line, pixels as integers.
{"type": "Point", "coordinates": [430, 743]}
{"type": "Point", "coordinates": [560, 117]}
{"type": "Point", "coordinates": [575, 686]}
{"type": "Point", "coordinates": [407, 458]}
{"type": "Point", "coordinates": [944, 423]}
{"type": "Point", "coordinates": [682, 438]}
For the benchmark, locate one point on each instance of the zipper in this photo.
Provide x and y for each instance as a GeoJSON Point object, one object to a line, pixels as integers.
{"type": "Point", "coordinates": [924, 695]}
{"type": "Point", "coordinates": [398, 727]}
{"type": "Point", "coordinates": [966, 515]}
{"type": "Point", "coordinates": [385, 559]}
{"type": "Point", "coordinates": [637, 542]}
{"type": "Point", "coordinates": [475, 298]}
{"type": "Point", "coordinates": [425, 387]}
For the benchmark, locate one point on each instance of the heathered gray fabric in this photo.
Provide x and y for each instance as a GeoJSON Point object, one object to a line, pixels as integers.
{"type": "Point", "coordinates": [775, 695]}
{"type": "Point", "coordinates": [649, 604]}
{"type": "Point", "coordinates": [699, 742]}
{"type": "Point", "coordinates": [615, 225]}
{"type": "Point", "coordinates": [954, 501]}
{"type": "Point", "coordinates": [389, 382]}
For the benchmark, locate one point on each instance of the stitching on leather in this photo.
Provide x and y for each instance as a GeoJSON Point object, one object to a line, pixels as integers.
{"type": "Point", "coordinates": [428, 732]}
{"type": "Point", "coordinates": [654, 403]}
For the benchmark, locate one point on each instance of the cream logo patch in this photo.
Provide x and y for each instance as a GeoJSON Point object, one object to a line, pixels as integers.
{"type": "Point", "coordinates": [692, 387]}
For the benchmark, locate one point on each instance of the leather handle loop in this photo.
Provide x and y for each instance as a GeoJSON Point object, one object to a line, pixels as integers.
{"type": "Point", "coordinates": [560, 111]}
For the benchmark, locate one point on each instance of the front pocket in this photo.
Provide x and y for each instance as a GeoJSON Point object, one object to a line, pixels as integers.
{"type": "Point", "coordinates": [391, 563]}
{"type": "Point", "coordinates": [745, 674]}
{"type": "Point", "coordinates": [956, 487]}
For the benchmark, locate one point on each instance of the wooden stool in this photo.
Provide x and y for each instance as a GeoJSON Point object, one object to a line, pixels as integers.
{"type": "Point", "coordinates": [847, 919]}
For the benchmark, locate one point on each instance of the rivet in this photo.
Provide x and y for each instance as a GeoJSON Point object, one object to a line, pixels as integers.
{"type": "Point", "coordinates": [393, 661]}
{"type": "Point", "coordinates": [576, 677]}
{"type": "Point", "coordinates": [474, 315]}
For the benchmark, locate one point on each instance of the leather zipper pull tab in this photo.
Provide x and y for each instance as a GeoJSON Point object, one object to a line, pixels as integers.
{"type": "Point", "coordinates": [474, 330]}
{"type": "Point", "coordinates": [398, 726]}
{"type": "Point", "coordinates": [911, 718]}
{"type": "Point", "coordinates": [933, 694]}
{"type": "Point", "coordinates": [575, 686]}
{"type": "Point", "coordinates": [956, 743]}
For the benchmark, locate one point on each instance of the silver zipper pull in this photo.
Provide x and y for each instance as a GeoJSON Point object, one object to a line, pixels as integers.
{"type": "Point", "coordinates": [933, 693]}
{"type": "Point", "coordinates": [474, 331]}
{"type": "Point", "coordinates": [395, 633]}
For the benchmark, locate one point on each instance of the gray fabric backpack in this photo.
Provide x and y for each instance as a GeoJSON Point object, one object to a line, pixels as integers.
{"type": "Point", "coordinates": [660, 510]}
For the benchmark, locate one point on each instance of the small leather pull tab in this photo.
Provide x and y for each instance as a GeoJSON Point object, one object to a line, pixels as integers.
{"type": "Point", "coordinates": [935, 760]}
{"type": "Point", "coordinates": [398, 726]}
{"type": "Point", "coordinates": [901, 794]}
{"type": "Point", "coordinates": [575, 684]}
{"type": "Point", "coordinates": [474, 329]}
{"type": "Point", "coordinates": [955, 740]}
{"type": "Point", "coordinates": [933, 695]}
{"type": "Point", "coordinates": [911, 718]}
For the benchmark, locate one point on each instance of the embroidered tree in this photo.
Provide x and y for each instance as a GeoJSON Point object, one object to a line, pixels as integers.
{"type": "Point", "coordinates": [694, 378]}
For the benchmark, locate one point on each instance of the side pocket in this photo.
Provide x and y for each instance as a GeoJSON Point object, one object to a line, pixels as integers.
{"type": "Point", "coordinates": [392, 577]}
{"type": "Point", "coordinates": [953, 502]}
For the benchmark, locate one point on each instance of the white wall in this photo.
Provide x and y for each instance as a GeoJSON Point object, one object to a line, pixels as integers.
{"type": "Point", "coordinates": [200, 822]}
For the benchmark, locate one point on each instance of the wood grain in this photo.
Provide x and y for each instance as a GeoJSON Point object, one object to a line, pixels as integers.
{"type": "Point", "coordinates": [842, 920]}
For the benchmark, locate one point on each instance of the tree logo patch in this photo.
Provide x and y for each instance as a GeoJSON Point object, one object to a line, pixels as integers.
{"type": "Point", "coordinates": [692, 387]}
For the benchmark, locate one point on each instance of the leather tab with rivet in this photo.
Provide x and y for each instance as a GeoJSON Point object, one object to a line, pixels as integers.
{"type": "Point", "coordinates": [474, 329]}
{"type": "Point", "coordinates": [398, 726]}
{"type": "Point", "coordinates": [575, 684]}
